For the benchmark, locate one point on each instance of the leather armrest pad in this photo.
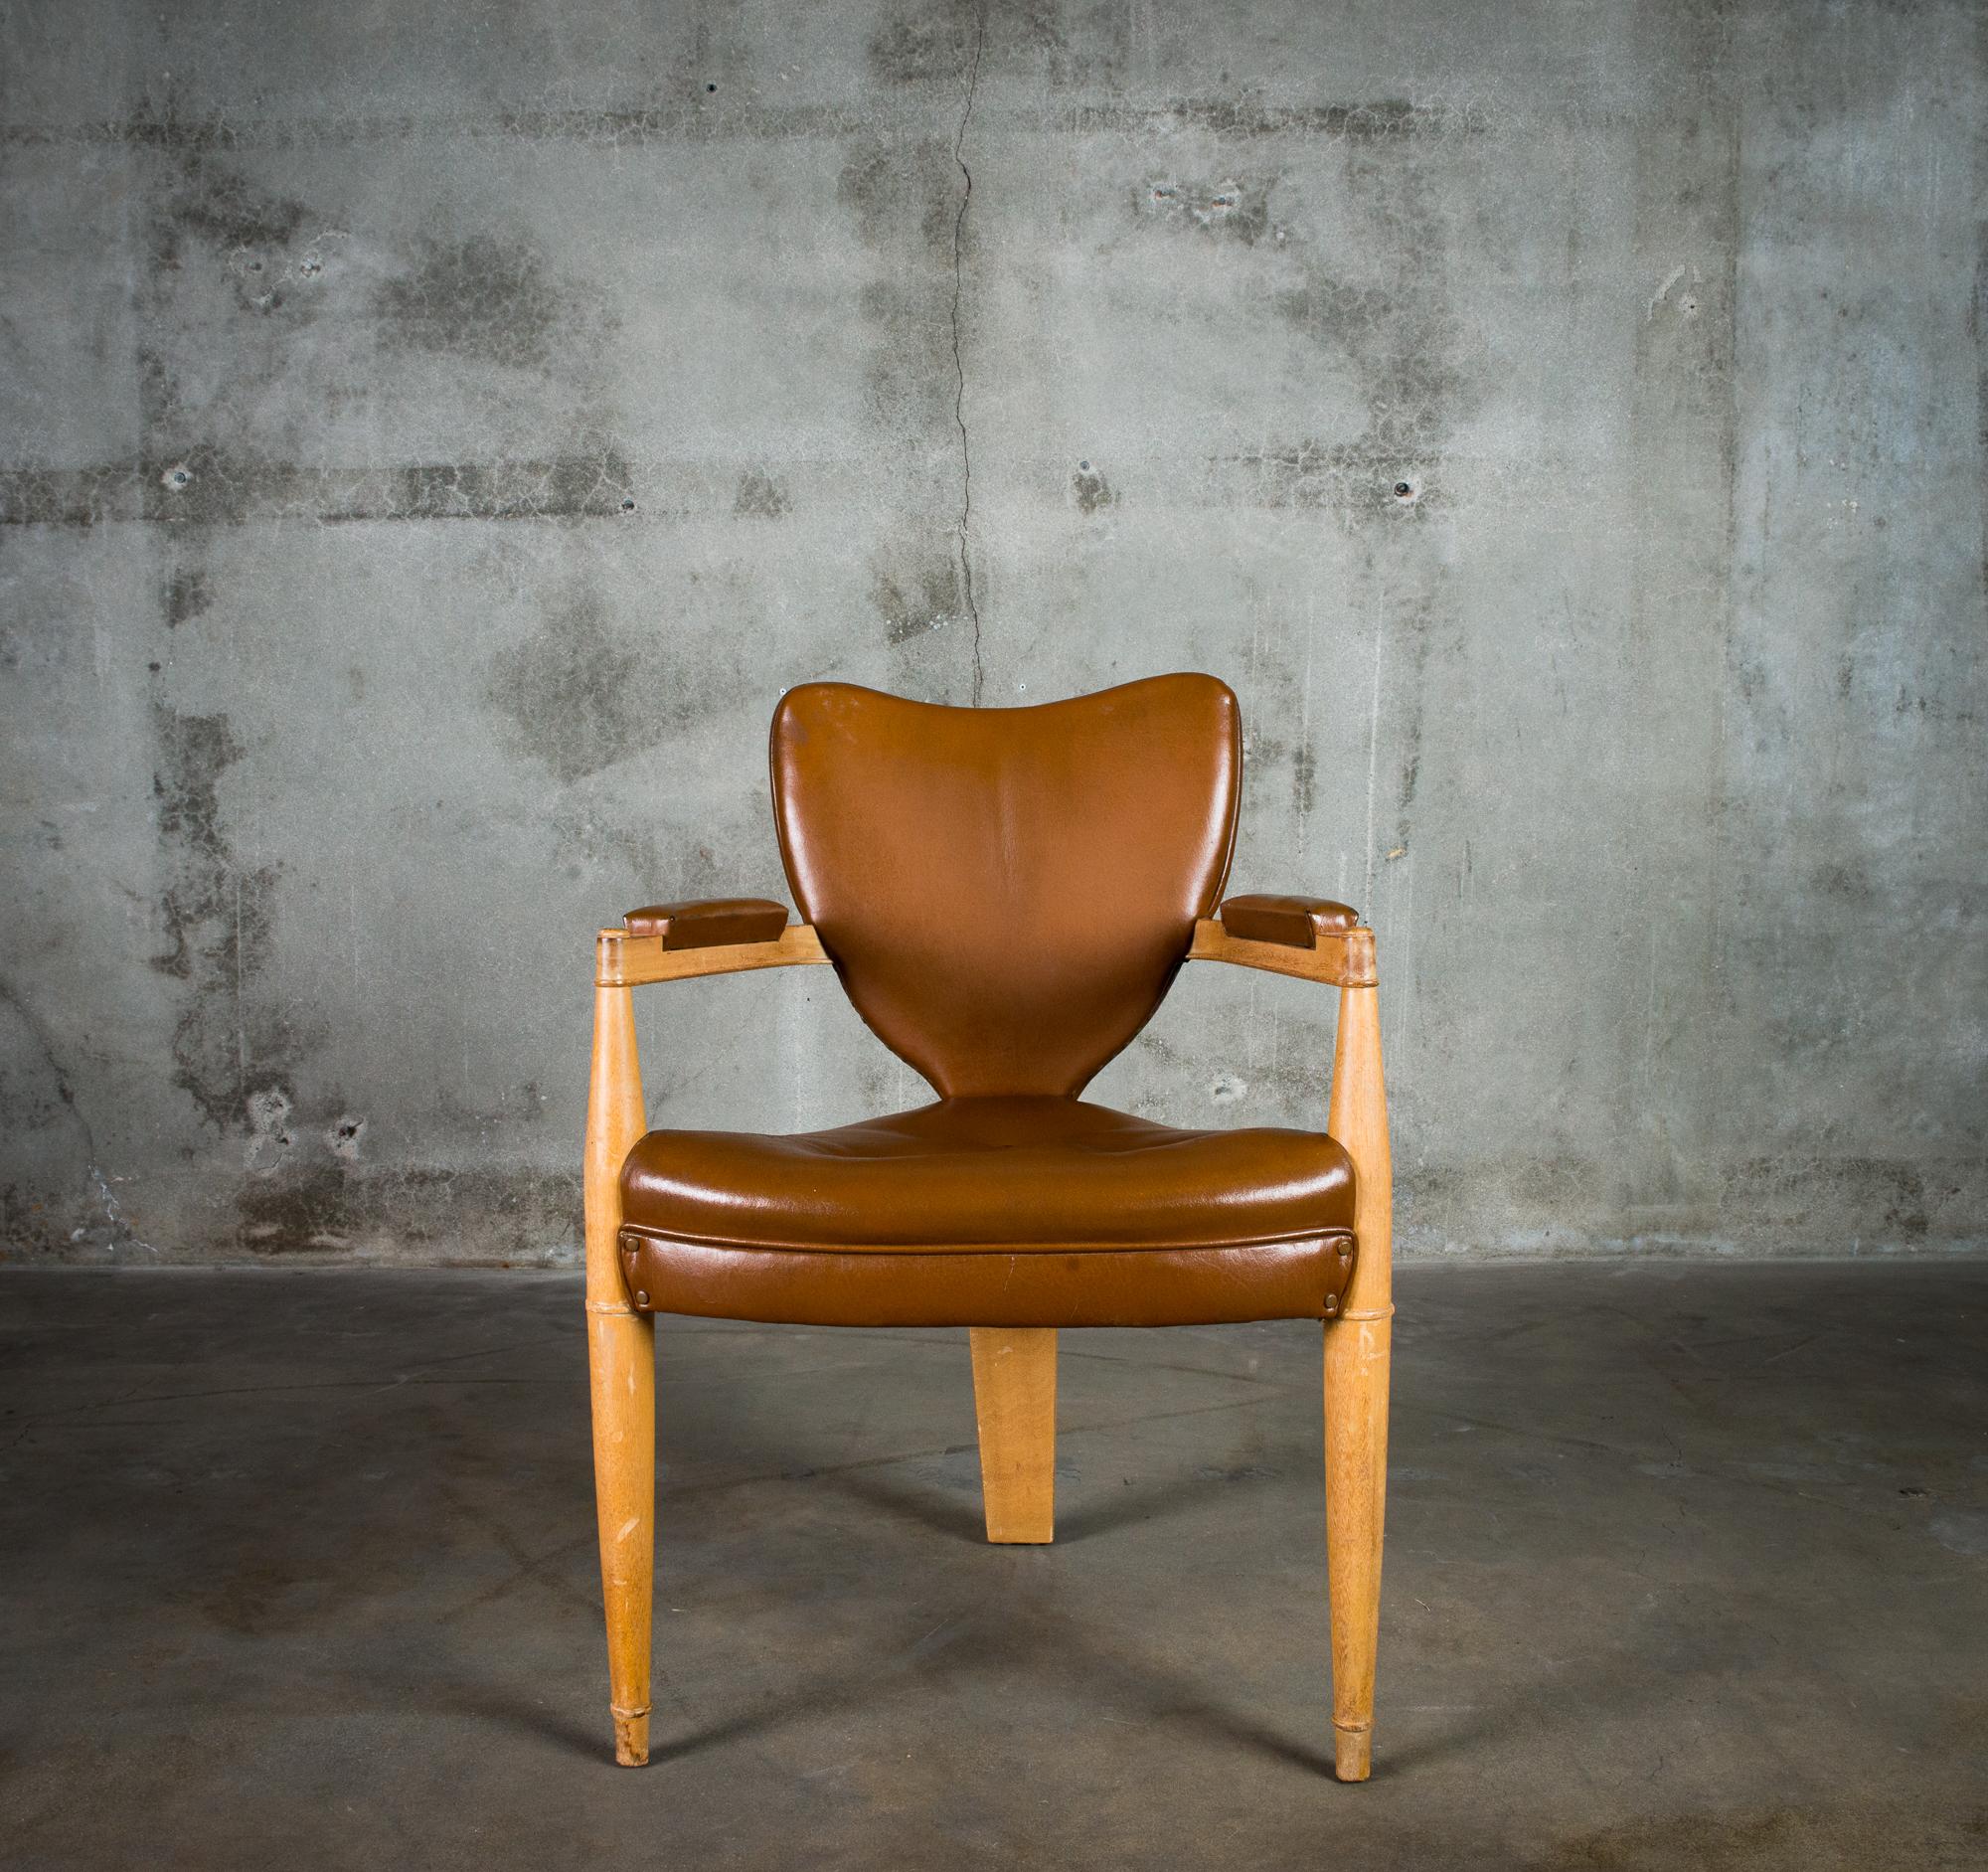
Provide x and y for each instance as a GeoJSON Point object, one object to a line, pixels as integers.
{"type": "Point", "coordinates": [1297, 922]}
{"type": "Point", "coordinates": [710, 924]}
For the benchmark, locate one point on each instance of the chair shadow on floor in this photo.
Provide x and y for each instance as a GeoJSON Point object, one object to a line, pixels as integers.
{"type": "Point", "coordinates": [1125, 1682]}
{"type": "Point", "coordinates": [1122, 1681]}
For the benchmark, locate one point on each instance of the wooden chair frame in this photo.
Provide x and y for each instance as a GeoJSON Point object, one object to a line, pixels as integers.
{"type": "Point", "coordinates": [1013, 1369]}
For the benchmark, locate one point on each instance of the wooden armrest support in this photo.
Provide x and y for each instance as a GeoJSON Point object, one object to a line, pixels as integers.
{"type": "Point", "coordinates": [1342, 958]}
{"type": "Point", "coordinates": [622, 961]}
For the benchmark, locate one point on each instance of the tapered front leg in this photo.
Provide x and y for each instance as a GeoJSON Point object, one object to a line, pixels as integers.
{"type": "Point", "coordinates": [622, 1363]}
{"type": "Point", "coordinates": [1356, 1490]}
{"type": "Point", "coordinates": [1356, 1385]}
{"type": "Point", "coordinates": [622, 1355]}
{"type": "Point", "coordinates": [1014, 1397]}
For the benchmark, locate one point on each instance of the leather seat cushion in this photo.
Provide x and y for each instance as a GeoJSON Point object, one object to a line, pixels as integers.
{"type": "Point", "coordinates": [994, 1210]}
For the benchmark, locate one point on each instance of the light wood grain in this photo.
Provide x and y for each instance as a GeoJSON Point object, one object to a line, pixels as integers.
{"type": "Point", "coordinates": [1014, 1399]}
{"type": "Point", "coordinates": [1356, 1384]}
{"type": "Point", "coordinates": [1344, 957]}
{"type": "Point", "coordinates": [622, 961]}
{"type": "Point", "coordinates": [621, 1367]}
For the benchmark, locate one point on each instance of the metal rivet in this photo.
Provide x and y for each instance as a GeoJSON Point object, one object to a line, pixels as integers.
{"type": "Point", "coordinates": [641, 1299]}
{"type": "Point", "coordinates": [1331, 1303]}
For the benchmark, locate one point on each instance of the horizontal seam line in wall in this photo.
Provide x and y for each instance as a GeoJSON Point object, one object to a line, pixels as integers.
{"type": "Point", "coordinates": [1335, 122]}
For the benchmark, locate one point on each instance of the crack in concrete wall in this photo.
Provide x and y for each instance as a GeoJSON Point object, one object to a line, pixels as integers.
{"type": "Point", "coordinates": [958, 362]}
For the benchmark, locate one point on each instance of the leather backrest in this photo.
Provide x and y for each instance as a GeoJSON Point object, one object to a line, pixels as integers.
{"type": "Point", "coordinates": [1006, 893]}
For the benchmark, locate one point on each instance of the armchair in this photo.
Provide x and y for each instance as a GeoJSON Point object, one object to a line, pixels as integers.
{"type": "Point", "coordinates": [1006, 896]}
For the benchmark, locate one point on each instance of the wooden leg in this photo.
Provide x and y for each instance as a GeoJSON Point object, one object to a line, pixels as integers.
{"type": "Point", "coordinates": [1356, 1385]}
{"type": "Point", "coordinates": [1014, 1396]}
{"type": "Point", "coordinates": [622, 1353]}
{"type": "Point", "coordinates": [622, 1364]}
{"type": "Point", "coordinates": [1356, 1488]}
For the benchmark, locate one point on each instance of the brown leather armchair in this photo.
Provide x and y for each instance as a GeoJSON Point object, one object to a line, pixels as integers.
{"type": "Point", "coordinates": [1006, 895]}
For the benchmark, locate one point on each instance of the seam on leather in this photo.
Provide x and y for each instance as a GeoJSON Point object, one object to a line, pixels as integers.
{"type": "Point", "coordinates": [956, 1249]}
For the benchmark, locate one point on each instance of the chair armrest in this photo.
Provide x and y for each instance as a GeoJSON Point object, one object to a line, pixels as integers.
{"type": "Point", "coordinates": [1297, 922]}
{"type": "Point", "coordinates": [1311, 937]}
{"type": "Point", "coordinates": [722, 937]}
{"type": "Point", "coordinates": [709, 924]}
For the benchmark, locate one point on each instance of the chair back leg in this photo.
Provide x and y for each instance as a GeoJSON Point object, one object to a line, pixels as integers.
{"type": "Point", "coordinates": [1356, 1385]}
{"type": "Point", "coordinates": [1014, 1397]}
{"type": "Point", "coordinates": [621, 1366]}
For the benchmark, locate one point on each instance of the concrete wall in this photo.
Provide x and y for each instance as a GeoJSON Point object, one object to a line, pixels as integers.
{"type": "Point", "coordinates": [432, 439]}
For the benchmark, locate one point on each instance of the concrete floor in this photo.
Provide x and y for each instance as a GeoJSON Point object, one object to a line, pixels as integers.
{"type": "Point", "coordinates": [1688, 1567]}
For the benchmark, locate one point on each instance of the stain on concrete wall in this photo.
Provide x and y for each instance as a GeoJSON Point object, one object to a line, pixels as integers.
{"type": "Point", "coordinates": [1554, 438]}
{"type": "Point", "coordinates": [485, 299]}
{"type": "Point", "coordinates": [216, 919]}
